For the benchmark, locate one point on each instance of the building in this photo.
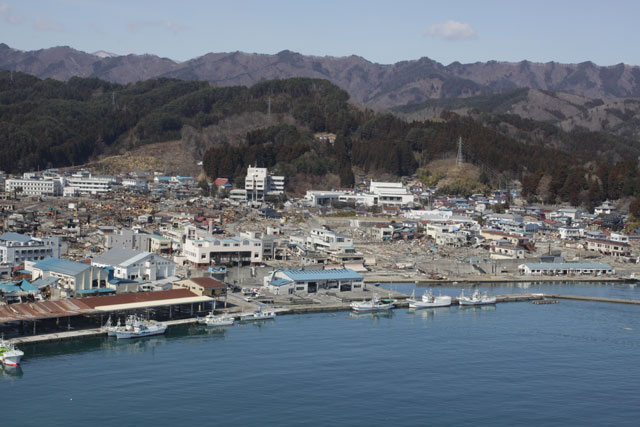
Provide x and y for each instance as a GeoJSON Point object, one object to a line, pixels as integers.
{"type": "Point", "coordinates": [140, 266]}
{"type": "Point", "coordinates": [74, 277]}
{"type": "Point", "coordinates": [232, 251]}
{"type": "Point", "coordinates": [126, 238]}
{"type": "Point", "coordinates": [203, 286]}
{"type": "Point", "coordinates": [287, 282]}
{"type": "Point", "coordinates": [609, 247]}
{"type": "Point", "coordinates": [564, 268]}
{"type": "Point", "coordinates": [258, 184]}
{"type": "Point", "coordinates": [606, 208]}
{"type": "Point", "coordinates": [327, 240]}
{"type": "Point", "coordinates": [17, 248]}
{"type": "Point", "coordinates": [505, 250]}
{"type": "Point", "coordinates": [391, 193]}
{"type": "Point", "coordinates": [34, 186]}
{"type": "Point", "coordinates": [83, 182]}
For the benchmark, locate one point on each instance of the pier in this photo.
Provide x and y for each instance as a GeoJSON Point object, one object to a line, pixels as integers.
{"type": "Point", "coordinates": [311, 307]}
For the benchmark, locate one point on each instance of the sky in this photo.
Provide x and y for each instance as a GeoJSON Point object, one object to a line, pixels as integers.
{"type": "Point", "coordinates": [566, 31]}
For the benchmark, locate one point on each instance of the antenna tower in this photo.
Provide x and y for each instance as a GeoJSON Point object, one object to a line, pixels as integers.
{"type": "Point", "coordinates": [459, 157]}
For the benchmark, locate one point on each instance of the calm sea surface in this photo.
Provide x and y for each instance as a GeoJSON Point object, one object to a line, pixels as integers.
{"type": "Point", "coordinates": [572, 363]}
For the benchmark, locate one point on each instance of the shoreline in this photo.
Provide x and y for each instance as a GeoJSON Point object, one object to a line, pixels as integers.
{"type": "Point", "coordinates": [309, 309]}
{"type": "Point", "coordinates": [420, 281]}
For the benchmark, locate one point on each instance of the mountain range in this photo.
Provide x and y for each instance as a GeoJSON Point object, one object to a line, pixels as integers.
{"type": "Point", "coordinates": [377, 86]}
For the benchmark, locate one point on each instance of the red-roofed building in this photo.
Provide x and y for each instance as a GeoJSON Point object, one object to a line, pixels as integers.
{"type": "Point", "coordinates": [205, 286]}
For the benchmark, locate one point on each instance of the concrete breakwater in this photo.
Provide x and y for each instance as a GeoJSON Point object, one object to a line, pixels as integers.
{"type": "Point", "coordinates": [313, 308]}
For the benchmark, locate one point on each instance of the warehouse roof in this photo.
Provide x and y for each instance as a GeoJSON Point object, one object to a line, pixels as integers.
{"type": "Point", "coordinates": [335, 274]}
{"type": "Point", "coordinates": [62, 266]}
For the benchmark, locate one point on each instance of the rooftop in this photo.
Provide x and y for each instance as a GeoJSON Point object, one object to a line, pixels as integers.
{"type": "Point", "coordinates": [62, 266]}
{"type": "Point", "coordinates": [15, 237]}
{"type": "Point", "coordinates": [335, 274]}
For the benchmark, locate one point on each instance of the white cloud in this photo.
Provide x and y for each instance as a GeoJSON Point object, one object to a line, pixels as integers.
{"type": "Point", "coordinates": [9, 15]}
{"type": "Point", "coordinates": [43, 23]}
{"type": "Point", "coordinates": [451, 30]}
{"type": "Point", "coordinates": [168, 25]}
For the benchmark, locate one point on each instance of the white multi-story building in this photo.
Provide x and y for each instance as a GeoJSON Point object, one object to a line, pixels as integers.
{"type": "Point", "coordinates": [84, 183]}
{"type": "Point", "coordinates": [235, 250]}
{"type": "Point", "coordinates": [34, 186]}
{"type": "Point", "coordinates": [258, 183]}
{"type": "Point", "coordinates": [136, 265]}
{"type": "Point", "coordinates": [391, 193]}
{"type": "Point", "coordinates": [16, 248]}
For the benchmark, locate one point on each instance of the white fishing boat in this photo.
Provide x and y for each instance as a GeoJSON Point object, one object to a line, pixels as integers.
{"type": "Point", "coordinates": [429, 300]}
{"type": "Point", "coordinates": [9, 354]}
{"type": "Point", "coordinates": [259, 314]}
{"type": "Point", "coordinates": [476, 299]}
{"type": "Point", "coordinates": [375, 304]}
{"type": "Point", "coordinates": [213, 320]}
{"type": "Point", "coordinates": [141, 329]}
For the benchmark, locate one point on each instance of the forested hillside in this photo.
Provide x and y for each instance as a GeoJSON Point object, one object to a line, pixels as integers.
{"type": "Point", "coordinates": [47, 123]}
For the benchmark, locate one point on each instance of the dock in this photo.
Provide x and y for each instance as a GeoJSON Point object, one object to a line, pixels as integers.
{"type": "Point", "coordinates": [595, 299]}
{"type": "Point", "coordinates": [535, 298]}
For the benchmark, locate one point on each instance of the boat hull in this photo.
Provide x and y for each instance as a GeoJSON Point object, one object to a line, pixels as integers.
{"type": "Point", "coordinates": [438, 302]}
{"type": "Point", "coordinates": [366, 308]}
{"type": "Point", "coordinates": [11, 357]}
{"type": "Point", "coordinates": [141, 333]}
{"type": "Point", "coordinates": [482, 301]}
{"type": "Point", "coordinates": [219, 321]}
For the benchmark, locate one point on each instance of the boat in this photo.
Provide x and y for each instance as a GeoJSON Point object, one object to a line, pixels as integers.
{"type": "Point", "coordinates": [429, 300]}
{"type": "Point", "coordinates": [258, 315]}
{"type": "Point", "coordinates": [9, 354]}
{"type": "Point", "coordinates": [213, 320]}
{"type": "Point", "coordinates": [375, 304]}
{"type": "Point", "coordinates": [476, 299]}
{"type": "Point", "coordinates": [110, 328]}
{"type": "Point", "coordinates": [141, 329]}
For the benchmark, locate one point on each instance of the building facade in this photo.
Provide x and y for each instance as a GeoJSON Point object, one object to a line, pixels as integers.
{"type": "Point", "coordinates": [17, 248]}
{"type": "Point", "coordinates": [287, 282]}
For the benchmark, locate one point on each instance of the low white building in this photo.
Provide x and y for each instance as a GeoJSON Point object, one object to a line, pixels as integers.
{"type": "Point", "coordinates": [327, 240]}
{"type": "Point", "coordinates": [391, 193]}
{"type": "Point", "coordinates": [210, 250]}
{"type": "Point", "coordinates": [564, 268]}
{"type": "Point", "coordinates": [136, 265]}
{"type": "Point", "coordinates": [287, 282]}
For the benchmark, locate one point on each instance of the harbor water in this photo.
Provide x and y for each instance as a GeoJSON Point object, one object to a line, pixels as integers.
{"type": "Point", "coordinates": [572, 363]}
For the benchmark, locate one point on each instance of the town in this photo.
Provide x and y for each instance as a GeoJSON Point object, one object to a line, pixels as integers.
{"type": "Point", "coordinates": [77, 246]}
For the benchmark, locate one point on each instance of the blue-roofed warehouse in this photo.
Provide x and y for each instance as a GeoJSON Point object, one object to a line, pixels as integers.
{"type": "Point", "coordinates": [283, 282]}
{"type": "Point", "coordinates": [73, 276]}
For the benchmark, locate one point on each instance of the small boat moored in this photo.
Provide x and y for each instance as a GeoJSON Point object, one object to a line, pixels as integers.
{"type": "Point", "coordinates": [375, 304]}
{"type": "Point", "coordinates": [476, 299]}
{"type": "Point", "coordinates": [141, 329]}
{"type": "Point", "coordinates": [429, 300]}
{"type": "Point", "coordinates": [213, 320]}
{"type": "Point", "coordinates": [258, 315]}
{"type": "Point", "coordinates": [9, 354]}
